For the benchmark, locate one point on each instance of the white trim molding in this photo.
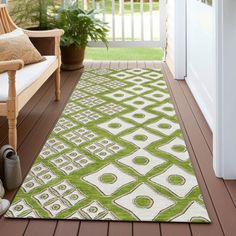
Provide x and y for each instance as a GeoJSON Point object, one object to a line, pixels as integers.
{"type": "Point", "coordinates": [176, 38]}
{"type": "Point", "coordinates": [224, 157]}
{"type": "Point", "coordinates": [180, 40]}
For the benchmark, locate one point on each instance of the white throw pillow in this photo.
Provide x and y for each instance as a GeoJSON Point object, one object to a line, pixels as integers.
{"type": "Point", "coordinates": [13, 34]}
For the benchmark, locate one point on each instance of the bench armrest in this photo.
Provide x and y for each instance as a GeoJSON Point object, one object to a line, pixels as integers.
{"type": "Point", "coordinates": [44, 33]}
{"type": "Point", "coordinates": [11, 65]}
{"type": "Point", "coordinates": [47, 41]}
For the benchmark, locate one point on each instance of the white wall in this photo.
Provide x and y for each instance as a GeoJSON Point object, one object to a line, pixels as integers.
{"type": "Point", "coordinates": [190, 50]}
{"type": "Point", "coordinates": [225, 128]}
{"type": "Point", "coordinates": [200, 56]}
{"type": "Point", "coordinates": [175, 51]}
{"type": "Point", "coordinates": [170, 34]}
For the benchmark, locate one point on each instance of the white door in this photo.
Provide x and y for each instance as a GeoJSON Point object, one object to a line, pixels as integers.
{"type": "Point", "coordinates": [200, 55]}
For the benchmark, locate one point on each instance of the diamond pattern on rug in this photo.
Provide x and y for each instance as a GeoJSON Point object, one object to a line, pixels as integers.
{"type": "Point", "coordinates": [137, 71]}
{"type": "Point", "coordinates": [79, 136]}
{"type": "Point", "coordinates": [177, 148]}
{"type": "Point", "coordinates": [140, 116]}
{"type": "Point", "coordinates": [104, 148]}
{"type": "Point", "coordinates": [83, 84]}
{"type": "Point", "coordinates": [138, 80]}
{"type": "Point", "coordinates": [138, 89]}
{"type": "Point", "coordinates": [95, 89]}
{"type": "Point", "coordinates": [77, 95]}
{"type": "Point", "coordinates": [201, 213]}
{"type": "Point", "coordinates": [98, 79]}
{"type": "Point", "coordinates": [109, 179]}
{"type": "Point", "coordinates": [64, 124]}
{"type": "Point", "coordinates": [141, 161]}
{"type": "Point", "coordinates": [167, 108]}
{"type": "Point", "coordinates": [71, 162]}
{"type": "Point", "coordinates": [39, 174]}
{"type": "Point", "coordinates": [144, 202]}
{"type": "Point", "coordinates": [72, 107]}
{"type": "Point", "coordinates": [157, 96]}
{"type": "Point", "coordinates": [154, 75]}
{"type": "Point", "coordinates": [119, 95]}
{"type": "Point", "coordinates": [53, 146]}
{"type": "Point", "coordinates": [86, 116]}
{"type": "Point", "coordinates": [159, 84]}
{"type": "Point", "coordinates": [59, 198]}
{"type": "Point", "coordinates": [22, 210]}
{"type": "Point", "coordinates": [116, 153]}
{"type": "Point", "coordinates": [141, 138]}
{"type": "Point", "coordinates": [110, 108]}
{"type": "Point", "coordinates": [121, 75]}
{"type": "Point", "coordinates": [164, 126]}
{"type": "Point", "coordinates": [139, 102]}
{"type": "Point", "coordinates": [93, 210]}
{"type": "Point", "coordinates": [176, 180]}
{"type": "Point", "coordinates": [115, 84]}
{"type": "Point", "coordinates": [115, 126]}
{"type": "Point", "coordinates": [91, 101]}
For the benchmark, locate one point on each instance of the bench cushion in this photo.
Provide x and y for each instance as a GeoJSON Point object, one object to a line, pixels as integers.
{"type": "Point", "coordinates": [25, 77]}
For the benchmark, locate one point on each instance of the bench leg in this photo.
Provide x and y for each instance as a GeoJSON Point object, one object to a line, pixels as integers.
{"type": "Point", "coordinates": [58, 84]}
{"type": "Point", "coordinates": [12, 110]}
{"type": "Point", "coordinates": [12, 133]}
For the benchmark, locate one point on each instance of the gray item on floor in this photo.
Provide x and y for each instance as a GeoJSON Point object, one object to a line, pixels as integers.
{"type": "Point", "coordinates": [12, 172]}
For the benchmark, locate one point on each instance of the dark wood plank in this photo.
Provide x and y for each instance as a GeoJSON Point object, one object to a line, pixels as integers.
{"type": "Point", "coordinates": [214, 228]}
{"type": "Point", "coordinates": [87, 64]}
{"type": "Point", "coordinates": [148, 229]}
{"type": "Point", "coordinates": [202, 123]}
{"type": "Point", "coordinates": [67, 228]}
{"type": "Point", "coordinates": [2, 121]}
{"type": "Point", "coordinates": [105, 64]}
{"type": "Point", "coordinates": [157, 64]}
{"type": "Point", "coordinates": [132, 64]}
{"type": "Point", "coordinates": [173, 229]}
{"type": "Point", "coordinates": [114, 65]}
{"type": "Point", "coordinates": [123, 64]}
{"type": "Point", "coordinates": [96, 64]}
{"type": "Point", "coordinates": [120, 229]}
{"type": "Point", "coordinates": [215, 186]}
{"type": "Point", "coordinates": [12, 227]}
{"type": "Point", "coordinates": [231, 186]}
{"type": "Point", "coordinates": [141, 64]}
{"type": "Point", "coordinates": [41, 227]}
{"type": "Point", "coordinates": [149, 64]}
{"type": "Point", "coordinates": [90, 228]}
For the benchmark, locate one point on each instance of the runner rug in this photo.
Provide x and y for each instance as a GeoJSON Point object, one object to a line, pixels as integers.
{"type": "Point", "coordinates": [116, 153]}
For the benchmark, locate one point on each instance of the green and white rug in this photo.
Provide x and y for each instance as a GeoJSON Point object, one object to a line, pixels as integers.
{"type": "Point", "coordinates": [116, 153]}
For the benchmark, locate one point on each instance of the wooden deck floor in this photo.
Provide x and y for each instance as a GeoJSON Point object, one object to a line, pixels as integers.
{"type": "Point", "coordinates": [37, 120]}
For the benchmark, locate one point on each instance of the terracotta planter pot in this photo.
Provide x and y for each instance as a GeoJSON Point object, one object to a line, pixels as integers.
{"type": "Point", "coordinates": [72, 57]}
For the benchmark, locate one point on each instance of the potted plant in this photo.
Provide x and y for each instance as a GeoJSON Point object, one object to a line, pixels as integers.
{"type": "Point", "coordinates": [80, 27]}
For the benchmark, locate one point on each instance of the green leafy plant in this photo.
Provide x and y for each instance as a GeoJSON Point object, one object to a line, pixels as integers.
{"type": "Point", "coordinates": [32, 13]}
{"type": "Point", "coordinates": [80, 26]}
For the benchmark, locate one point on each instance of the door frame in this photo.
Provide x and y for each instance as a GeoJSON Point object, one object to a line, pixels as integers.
{"type": "Point", "coordinates": [224, 127]}
{"type": "Point", "coordinates": [224, 160]}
